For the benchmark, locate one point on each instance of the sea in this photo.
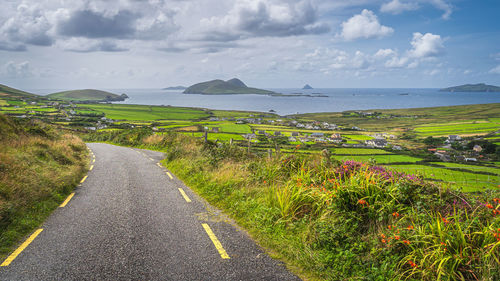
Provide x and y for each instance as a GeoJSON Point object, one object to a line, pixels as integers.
{"type": "Point", "coordinates": [334, 100]}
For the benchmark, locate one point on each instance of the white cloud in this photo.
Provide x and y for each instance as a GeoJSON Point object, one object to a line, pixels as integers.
{"type": "Point", "coordinates": [249, 18]}
{"type": "Point", "coordinates": [444, 6]}
{"type": "Point", "coordinates": [495, 70]}
{"type": "Point", "coordinates": [396, 7]}
{"type": "Point", "coordinates": [17, 70]}
{"type": "Point", "coordinates": [28, 25]}
{"type": "Point", "coordinates": [397, 62]}
{"type": "Point", "coordinates": [383, 53]}
{"type": "Point", "coordinates": [426, 45]}
{"type": "Point", "coordinates": [364, 25]}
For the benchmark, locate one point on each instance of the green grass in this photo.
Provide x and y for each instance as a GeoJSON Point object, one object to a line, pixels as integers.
{"type": "Point", "coordinates": [380, 159]}
{"type": "Point", "coordinates": [216, 136]}
{"type": "Point", "coordinates": [359, 151]}
{"type": "Point", "coordinates": [146, 113]}
{"type": "Point", "coordinates": [456, 129]}
{"type": "Point", "coordinates": [3, 102]}
{"type": "Point", "coordinates": [473, 168]}
{"type": "Point", "coordinates": [16, 102]}
{"type": "Point", "coordinates": [233, 128]}
{"type": "Point", "coordinates": [467, 181]}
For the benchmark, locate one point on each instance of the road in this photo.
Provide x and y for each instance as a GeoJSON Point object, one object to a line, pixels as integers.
{"type": "Point", "coordinates": [130, 219]}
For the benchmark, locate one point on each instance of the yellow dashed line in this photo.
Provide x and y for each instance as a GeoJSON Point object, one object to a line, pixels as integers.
{"type": "Point", "coordinates": [67, 200]}
{"type": "Point", "coordinates": [84, 178]}
{"type": "Point", "coordinates": [169, 175]}
{"type": "Point", "coordinates": [216, 242]}
{"type": "Point", "coordinates": [159, 165]}
{"type": "Point", "coordinates": [184, 195]}
{"type": "Point", "coordinates": [93, 160]}
{"type": "Point", "coordinates": [91, 167]}
{"type": "Point", "coordinates": [21, 248]}
{"type": "Point", "coordinates": [151, 159]}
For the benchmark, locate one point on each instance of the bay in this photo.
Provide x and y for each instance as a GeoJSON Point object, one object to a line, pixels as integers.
{"type": "Point", "coordinates": [336, 99]}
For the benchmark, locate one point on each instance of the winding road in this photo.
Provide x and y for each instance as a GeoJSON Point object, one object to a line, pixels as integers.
{"type": "Point", "coordinates": [131, 219]}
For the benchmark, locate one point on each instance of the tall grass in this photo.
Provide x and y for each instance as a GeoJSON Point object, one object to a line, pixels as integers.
{"type": "Point", "coordinates": [343, 220]}
{"type": "Point", "coordinates": [39, 166]}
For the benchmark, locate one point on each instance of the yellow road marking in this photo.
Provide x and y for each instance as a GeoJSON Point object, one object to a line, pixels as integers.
{"type": "Point", "coordinates": [151, 159]}
{"type": "Point", "coordinates": [91, 167]}
{"type": "Point", "coordinates": [159, 165]}
{"type": "Point", "coordinates": [67, 200]}
{"type": "Point", "coordinates": [84, 178]}
{"type": "Point", "coordinates": [184, 195]}
{"type": "Point", "coordinates": [93, 160]}
{"type": "Point", "coordinates": [7, 261]}
{"type": "Point", "coordinates": [169, 175]}
{"type": "Point", "coordinates": [216, 242]}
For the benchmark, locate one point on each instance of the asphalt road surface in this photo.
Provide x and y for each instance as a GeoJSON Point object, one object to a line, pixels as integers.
{"type": "Point", "coordinates": [131, 220]}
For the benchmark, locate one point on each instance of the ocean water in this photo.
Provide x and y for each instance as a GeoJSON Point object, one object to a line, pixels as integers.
{"type": "Point", "coordinates": [337, 99]}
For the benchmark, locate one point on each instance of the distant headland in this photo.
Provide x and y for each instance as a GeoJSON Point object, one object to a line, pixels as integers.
{"type": "Point", "coordinates": [175, 88]}
{"type": "Point", "coordinates": [307, 87]}
{"type": "Point", "coordinates": [481, 87]}
{"type": "Point", "coordinates": [88, 95]}
{"type": "Point", "coordinates": [219, 87]}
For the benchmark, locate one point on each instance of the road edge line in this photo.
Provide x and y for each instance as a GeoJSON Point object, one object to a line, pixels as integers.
{"type": "Point", "coordinates": [223, 254]}
{"type": "Point", "coordinates": [18, 251]}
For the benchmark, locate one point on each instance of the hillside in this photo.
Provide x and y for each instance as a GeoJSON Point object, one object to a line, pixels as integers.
{"type": "Point", "coordinates": [6, 91]}
{"type": "Point", "coordinates": [307, 87]}
{"type": "Point", "coordinates": [472, 88]}
{"type": "Point", "coordinates": [220, 87]}
{"type": "Point", "coordinates": [87, 95]}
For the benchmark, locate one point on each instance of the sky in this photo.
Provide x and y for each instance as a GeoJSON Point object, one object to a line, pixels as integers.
{"type": "Point", "coordinates": [72, 44]}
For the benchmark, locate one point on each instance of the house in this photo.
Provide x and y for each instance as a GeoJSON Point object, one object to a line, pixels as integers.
{"type": "Point", "coordinates": [295, 134]}
{"type": "Point", "coordinates": [250, 136]}
{"type": "Point", "coordinates": [215, 129]}
{"type": "Point", "coordinates": [397, 147]}
{"type": "Point", "coordinates": [277, 133]}
{"type": "Point", "coordinates": [477, 148]}
{"type": "Point", "coordinates": [336, 137]}
{"type": "Point", "coordinates": [443, 157]}
{"type": "Point", "coordinates": [376, 143]}
{"type": "Point", "coordinates": [317, 135]}
{"type": "Point", "coordinates": [470, 160]}
{"type": "Point", "coordinates": [292, 139]}
{"type": "Point", "coordinates": [453, 138]}
{"type": "Point", "coordinates": [261, 132]}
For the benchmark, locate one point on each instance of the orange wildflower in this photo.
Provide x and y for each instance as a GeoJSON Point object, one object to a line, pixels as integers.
{"type": "Point", "coordinates": [297, 146]}
{"type": "Point", "coordinates": [395, 214]}
{"type": "Point", "coordinates": [410, 227]}
{"type": "Point", "coordinates": [396, 237]}
{"type": "Point", "coordinates": [382, 235]}
{"type": "Point", "coordinates": [383, 241]}
{"type": "Point", "coordinates": [265, 181]}
{"type": "Point", "coordinates": [362, 202]}
{"type": "Point", "coordinates": [412, 264]}
{"type": "Point", "coordinates": [407, 242]}
{"type": "Point", "coordinates": [445, 220]}
{"type": "Point", "coordinates": [489, 206]}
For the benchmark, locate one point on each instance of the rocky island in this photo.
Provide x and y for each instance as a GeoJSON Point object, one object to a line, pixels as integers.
{"type": "Point", "coordinates": [481, 87]}
{"type": "Point", "coordinates": [230, 87]}
{"type": "Point", "coordinates": [87, 95]}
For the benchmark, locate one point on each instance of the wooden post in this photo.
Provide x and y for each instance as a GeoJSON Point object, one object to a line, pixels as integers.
{"type": "Point", "coordinates": [205, 136]}
{"type": "Point", "coordinates": [231, 142]}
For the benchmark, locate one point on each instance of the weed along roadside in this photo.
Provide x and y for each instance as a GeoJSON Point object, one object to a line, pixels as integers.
{"type": "Point", "coordinates": [39, 167]}
{"type": "Point", "coordinates": [339, 220]}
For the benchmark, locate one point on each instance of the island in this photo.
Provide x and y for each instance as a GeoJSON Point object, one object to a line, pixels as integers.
{"type": "Point", "coordinates": [230, 87]}
{"type": "Point", "coordinates": [481, 87]}
{"type": "Point", "coordinates": [307, 87]}
{"type": "Point", "coordinates": [178, 88]}
{"type": "Point", "coordinates": [87, 95]}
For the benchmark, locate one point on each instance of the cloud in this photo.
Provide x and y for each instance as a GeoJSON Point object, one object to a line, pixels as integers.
{"type": "Point", "coordinates": [397, 62]}
{"type": "Point", "coordinates": [495, 70]}
{"type": "Point", "coordinates": [90, 24]}
{"type": "Point", "coordinates": [426, 45]}
{"type": "Point", "coordinates": [444, 6]}
{"type": "Point", "coordinates": [18, 70]}
{"type": "Point", "coordinates": [13, 47]}
{"type": "Point", "coordinates": [396, 7]}
{"type": "Point", "coordinates": [262, 18]}
{"type": "Point", "coordinates": [383, 53]}
{"type": "Point", "coordinates": [364, 25]}
{"type": "Point", "coordinates": [83, 45]}
{"type": "Point", "coordinates": [28, 25]}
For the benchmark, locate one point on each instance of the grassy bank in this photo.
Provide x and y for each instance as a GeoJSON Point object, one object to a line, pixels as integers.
{"type": "Point", "coordinates": [339, 220]}
{"type": "Point", "coordinates": [39, 166]}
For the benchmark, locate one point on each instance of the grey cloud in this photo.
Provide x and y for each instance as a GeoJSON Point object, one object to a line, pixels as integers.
{"type": "Point", "coordinates": [90, 24]}
{"type": "Point", "coordinates": [100, 46]}
{"type": "Point", "coordinates": [5, 46]}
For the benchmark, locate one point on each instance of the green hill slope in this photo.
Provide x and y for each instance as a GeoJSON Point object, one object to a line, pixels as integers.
{"type": "Point", "coordinates": [87, 95]}
{"type": "Point", "coordinates": [472, 88]}
{"type": "Point", "coordinates": [6, 91]}
{"type": "Point", "coordinates": [220, 87]}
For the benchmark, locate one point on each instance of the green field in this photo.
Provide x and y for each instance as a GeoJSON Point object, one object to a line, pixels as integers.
{"type": "Point", "coordinates": [232, 128]}
{"type": "Point", "coordinates": [458, 179]}
{"type": "Point", "coordinates": [380, 159]}
{"type": "Point", "coordinates": [216, 136]}
{"type": "Point", "coordinates": [146, 112]}
{"type": "Point", "coordinates": [358, 151]}
{"type": "Point", "coordinates": [473, 168]}
{"type": "Point", "coordinates": [457, 129]}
